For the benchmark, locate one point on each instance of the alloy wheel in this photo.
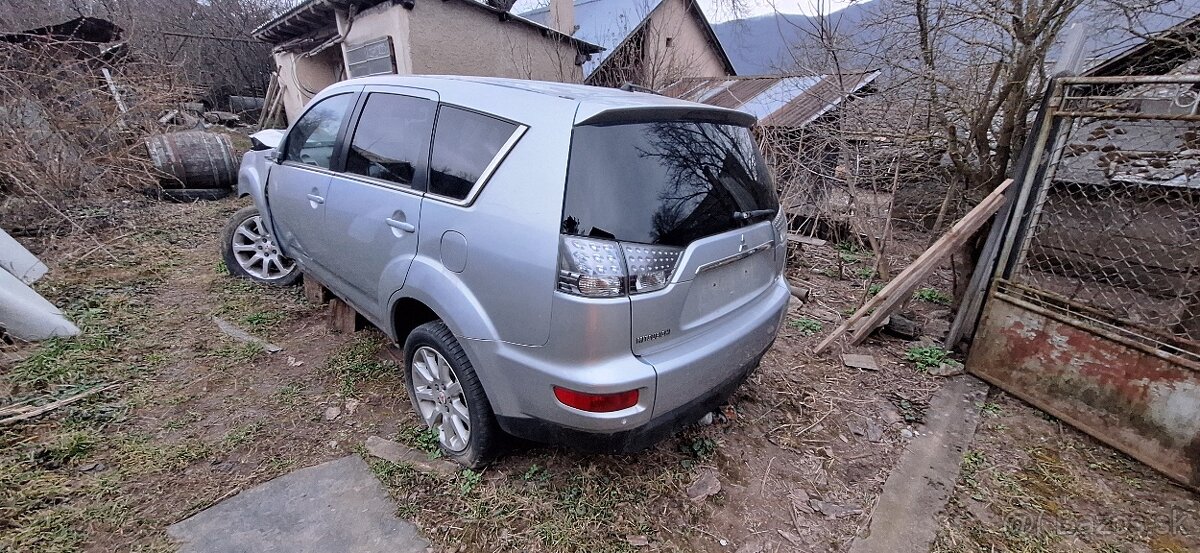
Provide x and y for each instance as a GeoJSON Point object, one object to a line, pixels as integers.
{"type": "Point", "coordinates": [256, 252]}
{"type": "Point", "coordinates": [440, 398]}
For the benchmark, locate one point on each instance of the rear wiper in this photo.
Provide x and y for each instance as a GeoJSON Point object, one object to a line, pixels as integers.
{"type": "Point", "coordinates": [747, 215]}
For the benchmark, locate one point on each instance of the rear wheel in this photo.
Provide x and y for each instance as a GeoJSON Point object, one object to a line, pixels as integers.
{"type": "Point", "coordinates": [250, 251]}
{"type": "Point", "coordinates": [448, 396]}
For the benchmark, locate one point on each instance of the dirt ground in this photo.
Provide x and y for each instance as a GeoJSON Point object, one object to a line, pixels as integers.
{"type": "Point", "coordinates": [196, 417]}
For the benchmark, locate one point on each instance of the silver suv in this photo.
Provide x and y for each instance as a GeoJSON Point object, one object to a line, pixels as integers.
{"type": "Point", "coordinates": [562, 263]}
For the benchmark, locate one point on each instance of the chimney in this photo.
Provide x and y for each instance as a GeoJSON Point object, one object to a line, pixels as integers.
{"type": "Point", "coordinates": [562, 16]}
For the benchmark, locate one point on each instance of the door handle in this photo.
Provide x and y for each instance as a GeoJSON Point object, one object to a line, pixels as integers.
{"type": "Point", "coordinates": [400, 225]}
{"type": "Point", "coordinates": [316, 199]}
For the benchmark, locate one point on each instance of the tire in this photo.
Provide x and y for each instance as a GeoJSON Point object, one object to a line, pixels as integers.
{"type": "Point", "coordinates": [263, 263]}
{"type": "Point", "coordinates": [485, 440]}
{"type": "Point", "coordinates": [188, 195]}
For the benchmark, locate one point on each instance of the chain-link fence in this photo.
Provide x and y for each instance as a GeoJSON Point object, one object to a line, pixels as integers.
{"type": "Point", "coordinates": [1114, 232]}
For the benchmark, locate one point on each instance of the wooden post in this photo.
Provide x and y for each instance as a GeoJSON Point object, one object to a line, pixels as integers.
{"type": "Point", "coordinates": [314, 291]}
{"type": "Point", "coordinates": [344, 319]}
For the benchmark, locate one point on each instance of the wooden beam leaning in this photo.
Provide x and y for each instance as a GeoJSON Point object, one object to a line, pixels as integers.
{"type": "Point", "coordinates": [871, 314]}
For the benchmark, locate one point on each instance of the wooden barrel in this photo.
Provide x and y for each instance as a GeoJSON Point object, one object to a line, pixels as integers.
{"type": "Point", "coordinates": [194, 159]}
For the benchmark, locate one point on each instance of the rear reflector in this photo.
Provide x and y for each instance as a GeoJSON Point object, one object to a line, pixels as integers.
{"type": "Point", "coordinates": [596, 403]}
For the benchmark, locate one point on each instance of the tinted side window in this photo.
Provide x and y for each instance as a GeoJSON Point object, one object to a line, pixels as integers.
{"type": "Point", "coordinates": [314, 136]}
{"type": "Point", "coordinates": [392, 139]}
{"type": "Point", "coordinates": [464, 145]}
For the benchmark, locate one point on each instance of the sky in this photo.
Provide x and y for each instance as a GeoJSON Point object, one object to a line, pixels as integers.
{"type": "Point", "coordinates": [718, 11]}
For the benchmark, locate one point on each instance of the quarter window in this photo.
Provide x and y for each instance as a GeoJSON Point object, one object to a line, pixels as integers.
{"type": "Point", "coordinates": [392, 139]}
{"type": "Point", "coordinates": [314, 136]}
{"type": "Point", "coordinates": [463, 147]}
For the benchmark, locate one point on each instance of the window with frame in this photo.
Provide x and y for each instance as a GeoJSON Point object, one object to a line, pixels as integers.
{"type": "Point", "coordinates": [464, 146]}
{"type": "Point", "coordinates": [314, 136]}
{"type": "Point", "coordinates": [391, 141]}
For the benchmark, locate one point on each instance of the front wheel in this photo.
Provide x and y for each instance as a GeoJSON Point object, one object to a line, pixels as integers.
{"type": "Point", "coordinates": [250, 251]}
{"type": "Point", "coordinates": [449, 397]}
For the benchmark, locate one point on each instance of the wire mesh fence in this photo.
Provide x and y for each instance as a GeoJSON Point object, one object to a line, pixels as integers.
{"type": "Point", "coordinates": [1115, 228]}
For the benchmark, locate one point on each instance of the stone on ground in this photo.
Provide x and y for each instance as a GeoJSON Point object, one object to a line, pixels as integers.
{"type": "Point", "coordinates": [335, 506]}
{"type": "Point", "coordinates": [905, 518]}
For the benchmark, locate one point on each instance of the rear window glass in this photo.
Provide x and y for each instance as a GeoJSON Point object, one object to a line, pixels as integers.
{"type": "Point", "coordinates": [463, 146]}
{"type": "Point", "coordinates": [392, 138]}
{"type": "Point", "coordinates": [666, 183]}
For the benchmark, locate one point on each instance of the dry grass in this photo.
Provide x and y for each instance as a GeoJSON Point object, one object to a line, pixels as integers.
{"type": "Point", "coordinates": [198, 417]}
{"type": "Point", "coordinates": [1032, 484]}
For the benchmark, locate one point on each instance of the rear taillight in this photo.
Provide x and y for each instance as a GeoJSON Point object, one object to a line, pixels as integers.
{"type": "Point", "coordinates": [604, 268]}
{"type": "Point", "coordinates": [781, 226]}
{"type": "Point", "coordinates": [596, 403]}
{"type": "Point", "coordinates": [649, 267]}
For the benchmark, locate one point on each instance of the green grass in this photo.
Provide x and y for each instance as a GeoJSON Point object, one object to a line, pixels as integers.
{"type": "Point", "coordinates": [359, 362]}
{"type": "Point", "coordinates": [263, 320]}
{"type": "Point", "coordinates": [468, 480]}
{"type": "Point", "coordinates": [586, 504]}
{"type": "Point", "coordinates": [806, 326]}
{"type": "Point", "coordinates": [846, 246]}
{"type": "Point", "coordinates": [289, 394]}
{"type": "Point", "coordinates": [67, 448]}
{"type": "Point", "coordinates": [241, 435]}
{"type": "Point", "coordinates": [701, 447]}
{"type": "Point", "coordinates": [422, 438]}
{"type": "Point", "coordinates": [925, 358]}
{"type": "Point", "coordinates": [932, 295]}
{"type": "Point", "coordinates": [237, 353]}
{"type": "Point", "coordinates": [874, 289]}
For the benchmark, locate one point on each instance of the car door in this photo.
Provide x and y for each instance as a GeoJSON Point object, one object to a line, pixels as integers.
{"type": "Point", "coordinates": [373, 209]}
{"type": "Point", "coordinates": [298, 186]}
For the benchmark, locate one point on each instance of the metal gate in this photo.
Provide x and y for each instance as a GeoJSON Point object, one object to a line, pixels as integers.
{"type": "Point", "coordinates": [1093, 312]}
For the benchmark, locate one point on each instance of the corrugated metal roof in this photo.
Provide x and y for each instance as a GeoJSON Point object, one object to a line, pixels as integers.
{"type": "Point", "coordinates": [777, 100]}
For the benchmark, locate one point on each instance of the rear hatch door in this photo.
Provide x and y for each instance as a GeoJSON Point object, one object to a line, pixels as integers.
{"type": "Point", "coordinates": [691, 195]}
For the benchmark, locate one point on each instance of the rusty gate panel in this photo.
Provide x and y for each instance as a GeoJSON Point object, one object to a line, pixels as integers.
{"type": "Point", "coordinates": [1093, 313]}
{"type": "Point", "coordinates": [1143, 403]}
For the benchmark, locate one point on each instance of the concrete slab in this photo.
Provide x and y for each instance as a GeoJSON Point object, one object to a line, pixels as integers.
{"type": "Point", "coordinates": [905, 517]}
{"type": "Point", "coordinates": [335, 506]}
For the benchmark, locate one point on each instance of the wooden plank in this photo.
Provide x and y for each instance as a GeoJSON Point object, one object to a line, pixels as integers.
{"type": "Point", "coordinates": [344, 319]}
{"type": "Point", "coordinates": [808, 240]}
{"type": "Point", "coordinates": [868, 317]}
{"type": "Point", "coordinates": [314, 291]}
{"type": "Point", "coordinates": [31, 412]}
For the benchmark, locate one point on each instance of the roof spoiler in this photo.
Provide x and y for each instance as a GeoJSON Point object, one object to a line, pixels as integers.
{"type": "Point", "coordinates": [659, 113]}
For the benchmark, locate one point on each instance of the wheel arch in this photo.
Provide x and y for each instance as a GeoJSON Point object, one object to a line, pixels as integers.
{"type": "Point", "coordinates": [407, 314]}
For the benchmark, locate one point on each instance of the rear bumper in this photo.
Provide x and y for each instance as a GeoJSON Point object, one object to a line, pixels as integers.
{"type": "Point", "coordinates": [676, 386]}
{"type": "Point", "coordinates": [629, 441]}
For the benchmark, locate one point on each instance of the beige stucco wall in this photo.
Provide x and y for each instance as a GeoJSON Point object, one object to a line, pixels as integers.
{"type": "Point", "coordinates": [645, 58]}
{"type": "Point", "coordinates": [384, 19]}
{"type": "Point", "coordinates": [451, 38]}
{"type": "Point", "coordinates": [689, 55]}
{"type": "Point", "coordinates": [300, 78]}
{"type": "Point", "coordinates": [439, 37]}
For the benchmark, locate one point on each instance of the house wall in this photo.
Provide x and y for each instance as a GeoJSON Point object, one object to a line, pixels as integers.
{"type": "Point", "coordinates": [302, 77]}
{"type": "Point", "coordinates": [689, 55]}
{"type": "Point", "coordinates": [436, 38]}
{"type": "Point", "coordinates": [383, 20]}
{"type": "Point", "coordinates": [451, 38]}
{"type": "Point", "coordinates": [646, 59]}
